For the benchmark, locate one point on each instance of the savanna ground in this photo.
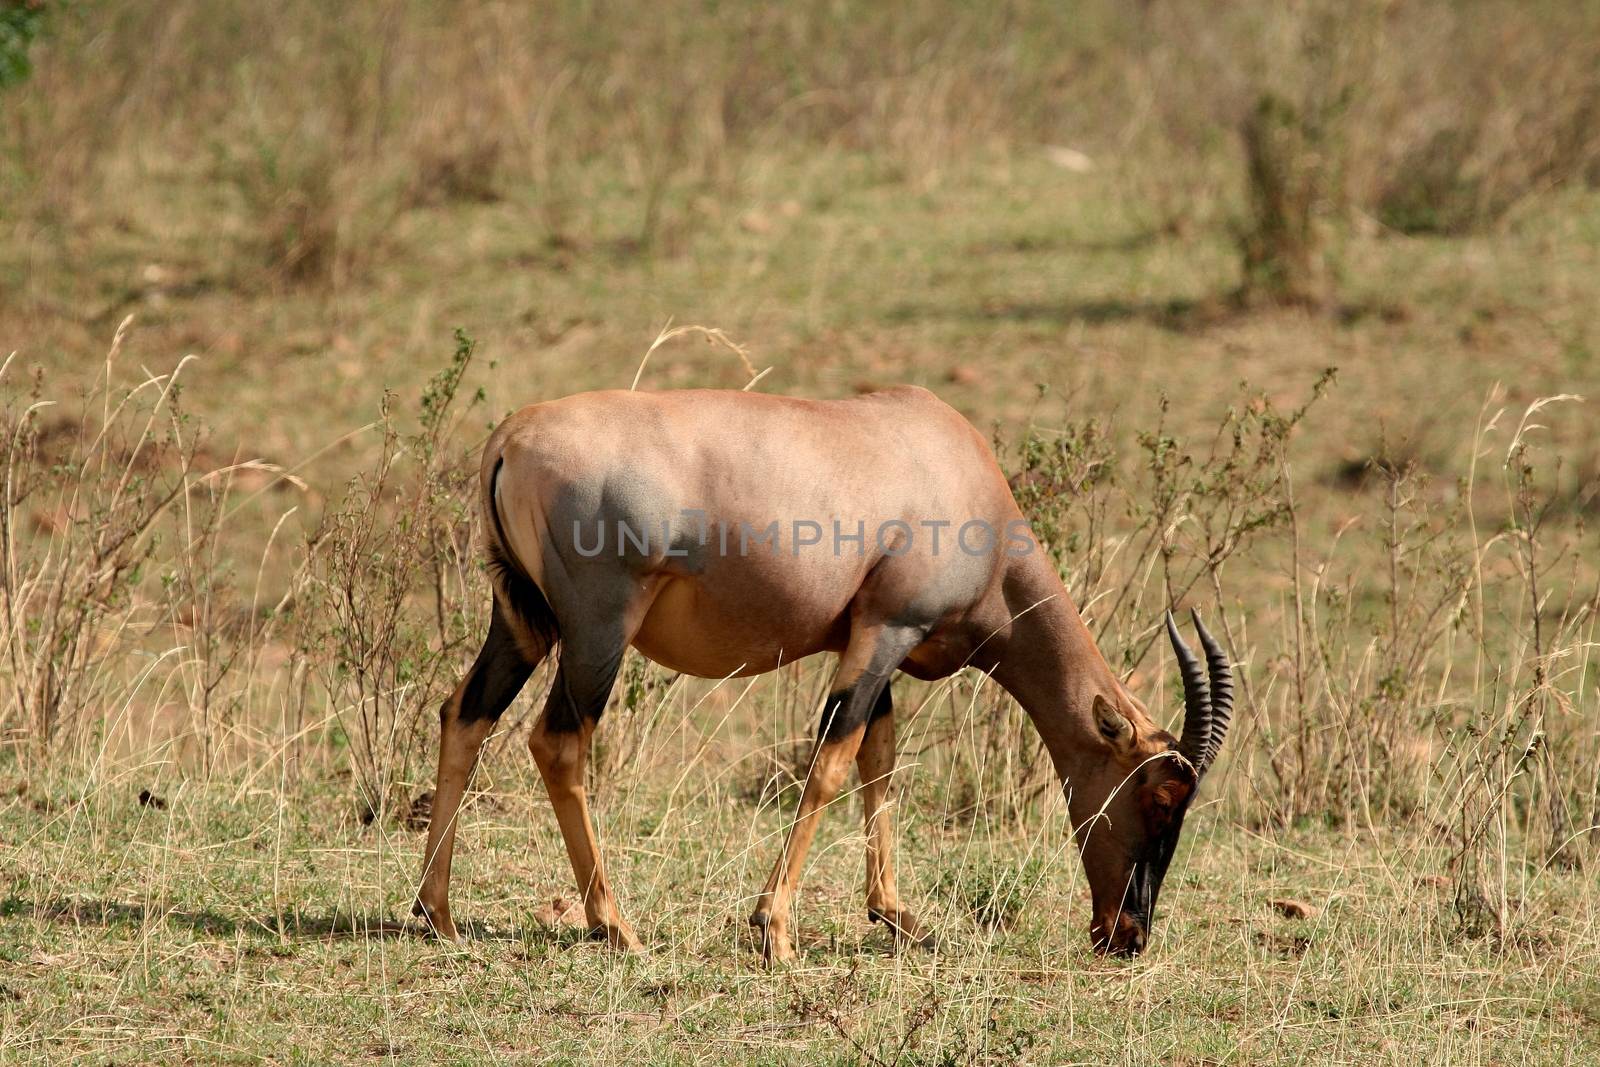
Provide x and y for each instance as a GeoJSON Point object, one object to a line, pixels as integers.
{"type": "Point", "coordinates": [237, 586]}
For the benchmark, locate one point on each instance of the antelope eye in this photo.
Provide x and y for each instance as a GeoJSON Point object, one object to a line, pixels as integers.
{"type": "Point", "coordinates": [1160, 809]}
{"type": "Point", "coordinates": [1160, 803]}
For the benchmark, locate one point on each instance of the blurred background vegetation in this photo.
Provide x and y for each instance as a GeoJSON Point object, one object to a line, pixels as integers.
{"type": "Point", "coordinates": [288, 146]}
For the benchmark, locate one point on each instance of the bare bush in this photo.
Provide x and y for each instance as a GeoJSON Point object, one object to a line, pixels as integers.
{"type": "Point", "coordinates": [1285, 259]}
{"type": "Point", "coordinates": [120, 605]}
{"type": "Point", "coordinates": [393, 591]}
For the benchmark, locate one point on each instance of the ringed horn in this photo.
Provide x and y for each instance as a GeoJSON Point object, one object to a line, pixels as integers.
{"type": "Point", "coordinates": [1207, 709]}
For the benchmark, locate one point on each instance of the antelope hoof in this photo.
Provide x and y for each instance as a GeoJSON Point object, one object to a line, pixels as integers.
{"type": "Point", "coordinates": [437, 920]}
{"type": "Point", "coordinates": [904, 928]}
{"type": "Point", "coordinates": [618, 936]}
{"type": "Point", "coordinates": [775, 947]}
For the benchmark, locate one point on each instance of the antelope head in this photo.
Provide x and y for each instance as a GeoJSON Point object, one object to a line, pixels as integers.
{"type": "Point", "coordinates": [1128, 813]}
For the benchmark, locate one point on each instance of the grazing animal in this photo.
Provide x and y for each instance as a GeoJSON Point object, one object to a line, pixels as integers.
{"type": "Point", "coordinates": [723, 534]}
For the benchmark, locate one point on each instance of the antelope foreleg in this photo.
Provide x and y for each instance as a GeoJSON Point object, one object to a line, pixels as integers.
{"type": "Point", "coordinates": [830, 763]}
{"type": "Point", "coordinates": [875, 762]}
{"type": "Point", "coordinates": [864, 669]}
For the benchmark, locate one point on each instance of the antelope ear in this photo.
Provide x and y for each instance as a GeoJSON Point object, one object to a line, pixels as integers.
{"type": "Point", "coordinates": [1112, 724]}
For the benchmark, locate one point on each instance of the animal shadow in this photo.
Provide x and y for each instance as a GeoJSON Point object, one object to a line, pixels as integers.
{"type": "Point", "coordinates": [336, 925]}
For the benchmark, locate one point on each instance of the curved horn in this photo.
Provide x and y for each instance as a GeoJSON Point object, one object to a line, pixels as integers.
{"type": "Point", "coordinates": [1221, 692]}
{"type": "Point", "coordinates": [1196, 739]}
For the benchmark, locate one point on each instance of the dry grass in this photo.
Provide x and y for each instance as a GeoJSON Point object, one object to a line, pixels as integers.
{"type": "Point", "coordinates": [237, 585]}
{"type": "Point", "coordinates": [245, 923]}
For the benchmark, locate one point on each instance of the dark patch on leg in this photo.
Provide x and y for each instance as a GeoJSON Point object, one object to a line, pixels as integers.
{"type": "Point", "coordinates": [561, 714]}
{"type": "Point", "coordinates": [580, 692]}
{"type": "Point", "coordinates": [851, 708]}
{"type": "Point", "coordinates": [884, 705]}
{"type": "Point", "coordinates": [496, 677]}
{"type": "Point", "coordinates": [868, 697]}
{"type": "Point", "coordinates": [839, 716]}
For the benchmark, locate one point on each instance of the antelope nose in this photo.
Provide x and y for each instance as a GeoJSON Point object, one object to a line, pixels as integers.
{"type": "Point", "coordinates": [1126, 939]}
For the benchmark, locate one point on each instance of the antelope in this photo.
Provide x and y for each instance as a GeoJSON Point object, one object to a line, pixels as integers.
{"type": "Point", "coordinates": [694, 527]}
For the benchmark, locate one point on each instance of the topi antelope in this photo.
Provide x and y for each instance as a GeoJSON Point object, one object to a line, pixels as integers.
{"type": "Point", "coordinates": [724, 534]}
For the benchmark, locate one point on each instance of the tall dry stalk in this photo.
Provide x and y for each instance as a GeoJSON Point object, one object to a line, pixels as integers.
{"type": "Point", "coordinates": [82, 501]}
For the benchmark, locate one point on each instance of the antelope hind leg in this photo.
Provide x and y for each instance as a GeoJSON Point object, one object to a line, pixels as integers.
{"type": "Point", "coordinates": [465, 722]}
{"type": "Point", "coordinates": [560, 747]}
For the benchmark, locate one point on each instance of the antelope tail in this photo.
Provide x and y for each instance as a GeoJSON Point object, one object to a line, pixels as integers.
{"type": "Point", "coordinates": [515, 589]}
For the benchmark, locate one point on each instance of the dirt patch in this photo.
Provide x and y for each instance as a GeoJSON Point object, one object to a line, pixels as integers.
{"type": "Point", "coordinates": [1294, 909]}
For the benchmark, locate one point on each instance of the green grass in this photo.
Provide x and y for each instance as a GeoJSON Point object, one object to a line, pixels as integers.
{"type": "Point", "coordinates": [251, 921]}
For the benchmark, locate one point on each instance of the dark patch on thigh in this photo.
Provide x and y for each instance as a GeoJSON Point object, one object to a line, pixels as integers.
{"type": "Point", "coordinates": [497, 676]}
{"type": "Point", "coordinates": [883, 705]}
{"type": "Point", "coordinates": [580, 692]}
{"type": "Point", "coordinates": [852, 708]}
{"type": "Point", "coordinates": [560, 710]}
